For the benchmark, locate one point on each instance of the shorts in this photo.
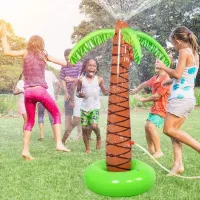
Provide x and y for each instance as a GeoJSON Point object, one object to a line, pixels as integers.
{"type": "Point", "coordinates": [21, 107]}
{"type": "Point", "coordinates": [90, 117]}
{"type": "Point", "coordinates": [77, 107]}
{"type": "Point", "coordinates": [181, 107]}
{"type": "Point", "coordinates": [68, 109]}
{"type": "Point", "coordinates": [157, 120]}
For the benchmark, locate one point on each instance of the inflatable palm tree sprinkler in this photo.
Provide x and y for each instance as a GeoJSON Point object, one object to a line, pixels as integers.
{"type": "Point", "coordinates": [119, 175]}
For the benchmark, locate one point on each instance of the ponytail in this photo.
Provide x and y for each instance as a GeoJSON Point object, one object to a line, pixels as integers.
{"type": "Point", "coordinates": [192, 39]}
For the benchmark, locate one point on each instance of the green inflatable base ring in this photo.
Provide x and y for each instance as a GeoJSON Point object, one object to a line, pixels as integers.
{"type": "Point", "coordinates": [138, 180]}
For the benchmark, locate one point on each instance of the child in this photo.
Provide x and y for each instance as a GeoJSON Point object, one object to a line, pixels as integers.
{"type": "Point", "coordinates": [19, 90]}
{"type": "Point", "coordinates": [52, 82]}
{"type": "Point", "coordinates": [88, 88]}
{"type": "Point", "coordinates": [158, 111]}
{"type": "Point", "coordinates": [68, 75]}
{"type": "Point", "coordinates": [75, 103]}
{"type": "Point", "coordinates": [35, 86]}
{"type": "Point", "coordinates": [182, 99]}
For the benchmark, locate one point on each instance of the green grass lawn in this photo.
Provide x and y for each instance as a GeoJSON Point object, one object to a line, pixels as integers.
{"type": "Point", "coordinates": [58, 176]}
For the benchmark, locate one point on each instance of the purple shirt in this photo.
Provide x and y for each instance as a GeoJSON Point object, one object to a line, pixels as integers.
{"type": "Point", "coordinates": [34, 67]}
{"type": "Point", "coordinates": [73, 72]}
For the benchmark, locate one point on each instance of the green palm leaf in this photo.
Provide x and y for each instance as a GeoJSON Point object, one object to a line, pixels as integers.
{"type": "Point", "coordinates": [154, 47]}
{"type": "Point", "coordinates": [130, 37]}
{"type": "Point", "coordinates": [89, 42]}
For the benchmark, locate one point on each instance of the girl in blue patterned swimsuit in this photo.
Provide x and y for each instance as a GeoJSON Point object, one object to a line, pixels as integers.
{"type": "Point", "coordinates": [182, 99]}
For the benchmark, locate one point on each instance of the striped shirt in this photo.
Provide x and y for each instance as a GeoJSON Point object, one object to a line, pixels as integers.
{"type": "Point", "coordinates": [72, 71]}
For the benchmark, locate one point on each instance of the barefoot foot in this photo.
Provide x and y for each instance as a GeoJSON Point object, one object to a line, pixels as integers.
{"type": "Point", "coordinates": [158, 154]}
{"type": "Point", "coordinates": [27, 157]}
{"type": "Point", "coordinates": [176, 170]}
{"type": "Point", "coordinates": [98, 144]}
{"type": "Point", "coordinates": [87, 151]}
{"type": "Point", "coordinates": [62, 148]}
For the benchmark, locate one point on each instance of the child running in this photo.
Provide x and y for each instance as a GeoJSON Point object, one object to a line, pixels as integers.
{"type": "Point", "coordinates": [182, 100]}
{"type": "Point", "coordinates": [88, 88]}
{"type": "Point", "coordinates": [157, 113]}
{"type": "Point", "coordinates": [35, 86]}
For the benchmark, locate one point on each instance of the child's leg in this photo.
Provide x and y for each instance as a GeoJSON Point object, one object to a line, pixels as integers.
{"type": "Point", "coordinates": [151, 130]}
{"type": "Point", "coordinates": [85, 117]}
{"type": "Point", "coordinates": [74, 123]}
{"type": "Point", "coordinates": [150, 144]}
{"type": "Point", "coordinates": [51, 107]}
{"type": "Point", "coordinates": [25, 120]}
{"type": "Point", "coordinates": [30, 108]}
{"type": "Point", "coordinates": [41, 111]}
{"type": "Point", "coordinates": [178, 164]}
{"type": "Point", "coordinates": [170, 129]}
{"type": "Point", "coordinates": [86, 140]}
{"type": "Point", "coordinates": [96, 130]}
{"type": "Point", "coordinates": [79, 130]}
{"type": "Point", "coordinates": [68, 120]}
{"type": "Point", "coordinates": [177, 148]}
{"type": "Point", "coordinates": [94, 124]}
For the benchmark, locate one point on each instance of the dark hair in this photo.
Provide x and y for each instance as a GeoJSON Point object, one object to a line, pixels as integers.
{"type": "Point", "coordinates": [86, 61]}
{"type": "Point", "coordinates": [67, 52]}
{"type": "Point", "coordinates": [187, 36]}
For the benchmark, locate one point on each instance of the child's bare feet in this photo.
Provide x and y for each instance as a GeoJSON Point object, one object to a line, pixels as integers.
{"type": "Point", "coordinates": [158, 154]}
{"type": "Point", "coordinates": [27, 156]}
{"type": "Point", "coordinates": [87, 151]}
{"type": "Point", "coordinates": [61, 147]}
{"type": "Point", "coordinates": [176, 170]}
{"type": "Point", "coordinates": [98, 144]}
{"type": "Point", "coordinates": [151, 150]}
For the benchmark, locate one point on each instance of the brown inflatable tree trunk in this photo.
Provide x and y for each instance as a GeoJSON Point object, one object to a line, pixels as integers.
{"type": "Point", "coordinates": [118, 141]}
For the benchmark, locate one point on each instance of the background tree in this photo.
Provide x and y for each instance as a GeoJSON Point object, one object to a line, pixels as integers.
{"type": "Point", "coordinates": [158, 21]}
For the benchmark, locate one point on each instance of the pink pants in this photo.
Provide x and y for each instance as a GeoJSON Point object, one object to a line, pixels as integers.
{"type": "Point", "coordinates": [39, 94]}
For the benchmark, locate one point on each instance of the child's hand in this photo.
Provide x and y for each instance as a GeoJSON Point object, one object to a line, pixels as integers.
{"type": "Point", "coordinates": [133, 91]}
{"type": "Point", "coordinates": [138, 97]}
{"type": "Point", "coordinates": [69, 79]}
{"type": "Point", "coordinates": [81, 94]}
{"type": "Point", "coordinates": [71, 104]}
{"type": "Point", "coordinates": [66, 97]}
{"type": "Point", "coordinates": [159, 64]}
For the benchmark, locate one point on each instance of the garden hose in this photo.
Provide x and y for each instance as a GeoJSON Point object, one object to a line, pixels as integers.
{"type": "Point", "coordinates": [159, 164]}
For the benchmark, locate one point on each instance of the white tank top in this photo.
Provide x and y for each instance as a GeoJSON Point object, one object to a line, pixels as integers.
{"type": "Point", "coordinates": [91, 90]}
{"type": "Point", "coordinates": [184, 87]}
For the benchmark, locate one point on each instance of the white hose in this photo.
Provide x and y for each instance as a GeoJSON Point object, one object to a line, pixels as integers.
{"type": "Point", "coordinates": [185, 177]}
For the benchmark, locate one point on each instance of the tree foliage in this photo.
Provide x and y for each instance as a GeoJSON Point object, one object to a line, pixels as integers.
{"type": "Point", "coordinates": [158, 21]}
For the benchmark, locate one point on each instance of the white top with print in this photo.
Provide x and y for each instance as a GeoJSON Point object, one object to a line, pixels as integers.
{"type": "Point", "coordinates": [184, 87]}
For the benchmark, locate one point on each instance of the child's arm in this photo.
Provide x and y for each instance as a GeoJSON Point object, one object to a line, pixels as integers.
{"type": "Point", "coordinates": [102, 86]}
{"type": "Point", "coordinates": [153, 97]}
{"type": "Point", "coordinates": [140, 87]}
{"type": "Point", "coordinates": [6, 48]}
{"type": "Point", "coordinates": [72, 91]}
{"type": "Point", "coordinates": [64, 87]}
{"type": "Point", "coordinates": [175, 73]}
{"type": "Point", "coordinates": [17, 91]}
{"type": "Point", "coordinates": [56, 61]}
{"type": "Point", "coordinates": [79, 93]}
{"type": "Point", "coordinates": [57, 89]}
